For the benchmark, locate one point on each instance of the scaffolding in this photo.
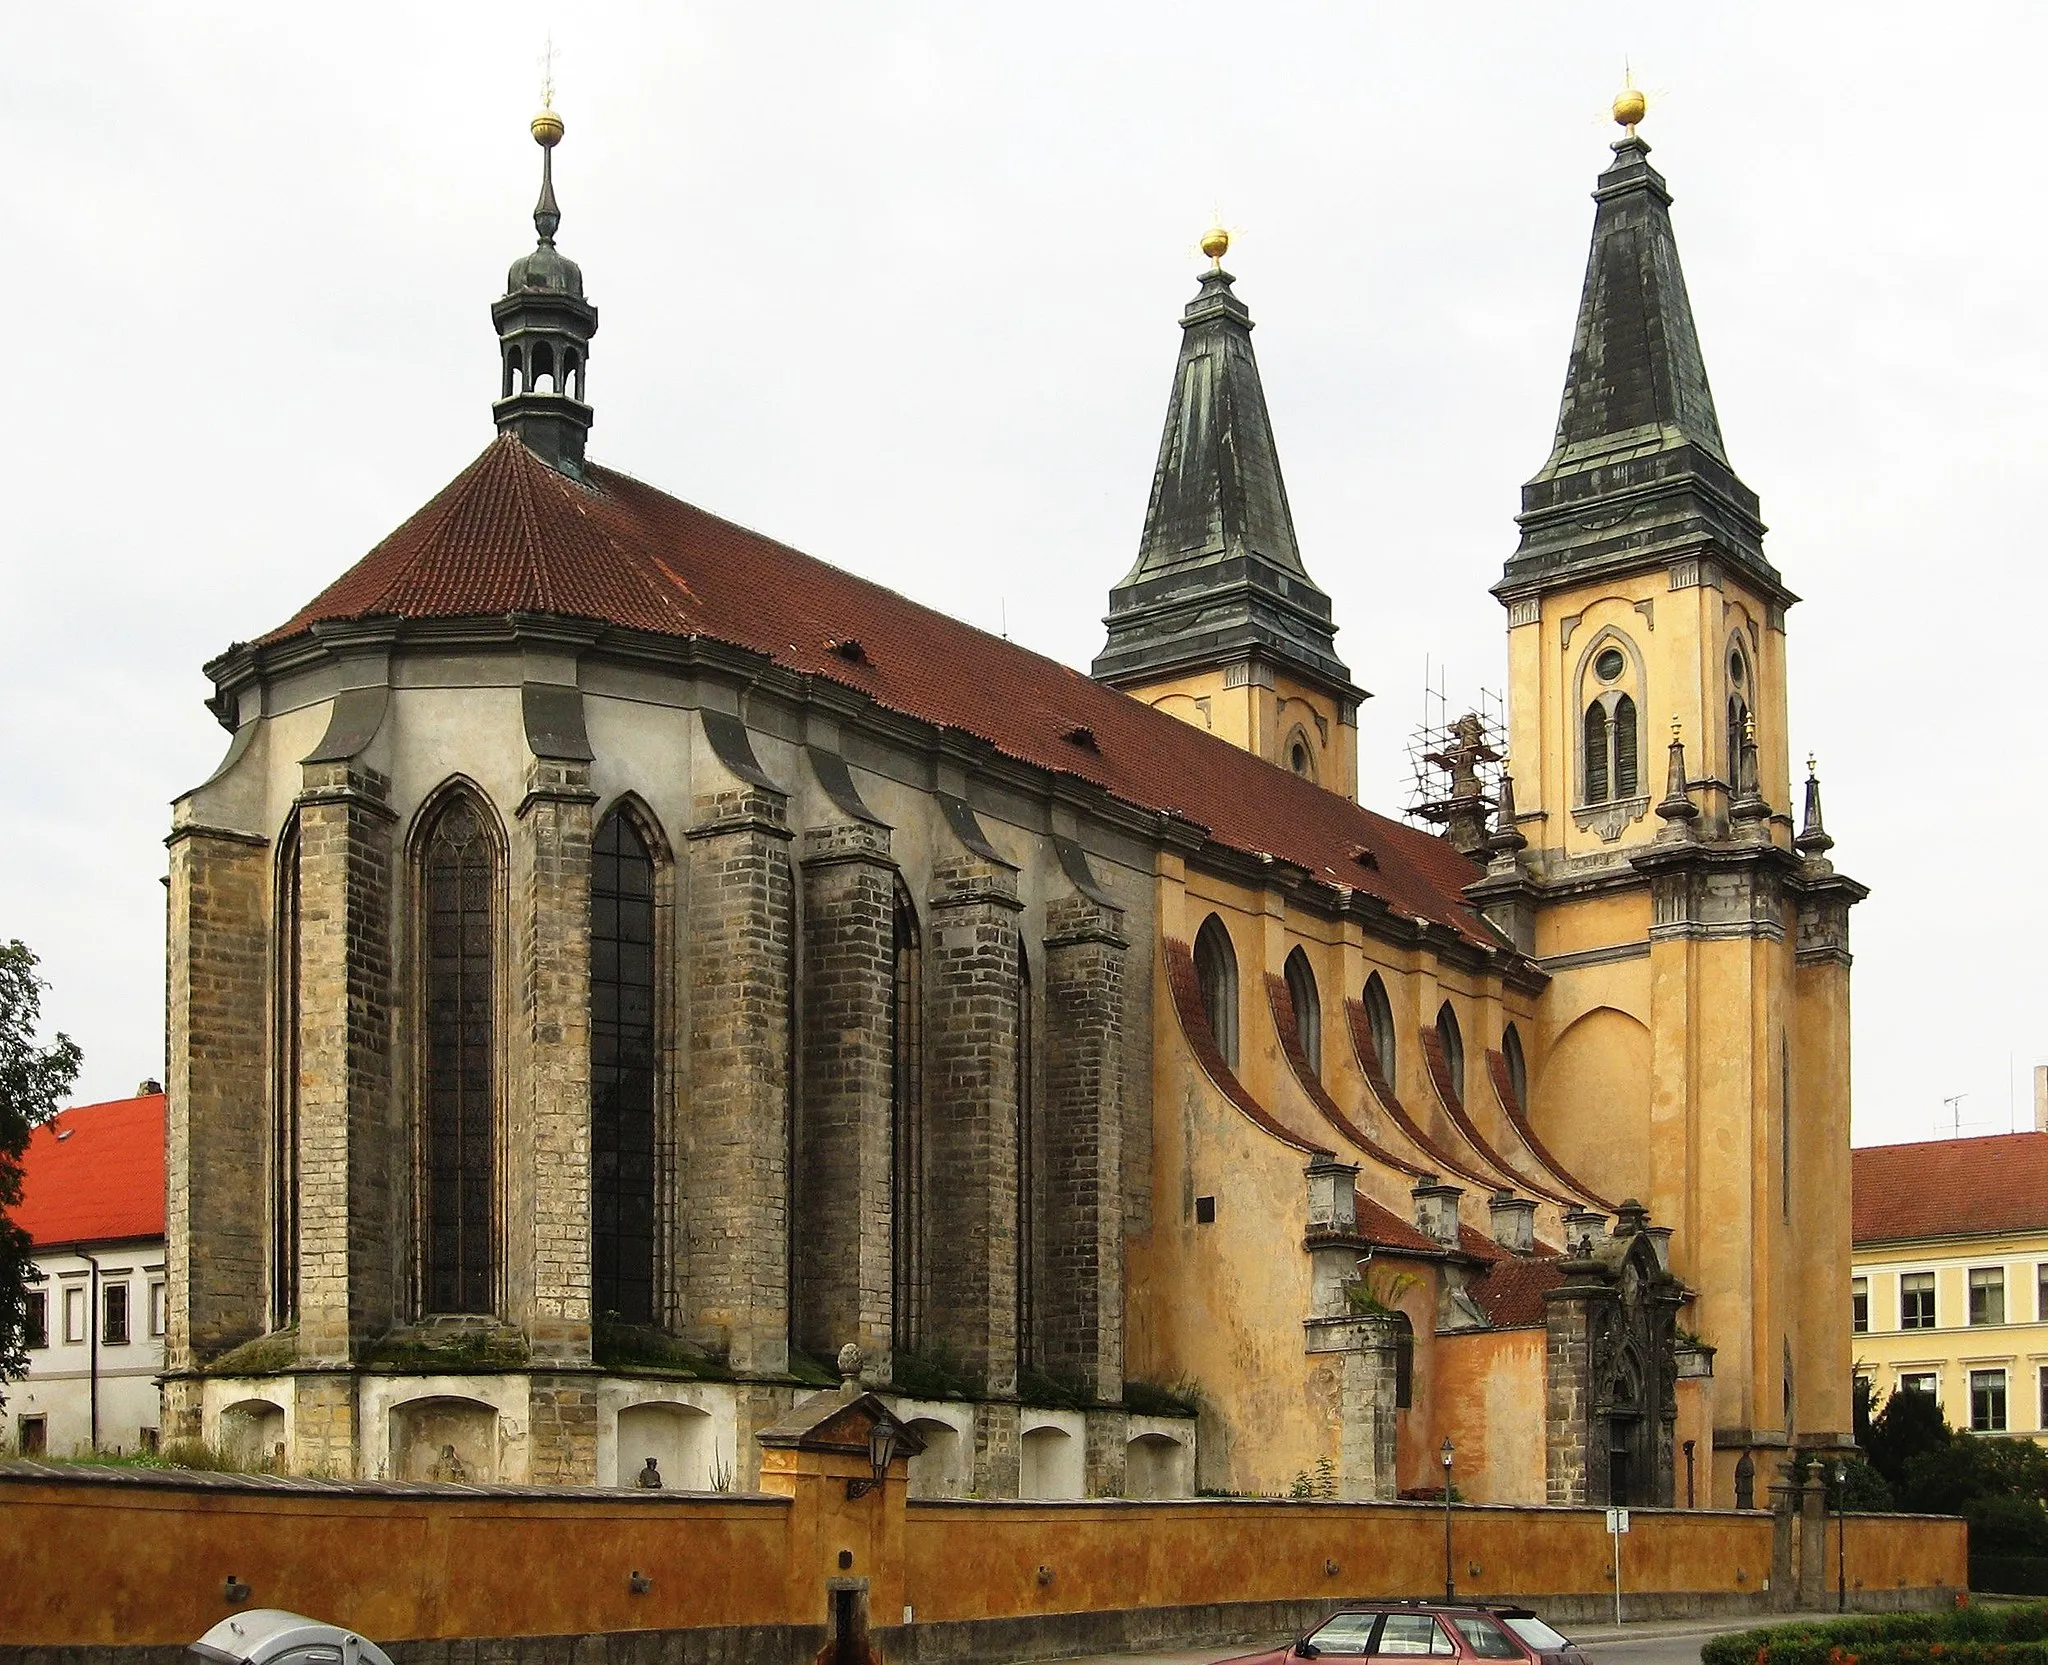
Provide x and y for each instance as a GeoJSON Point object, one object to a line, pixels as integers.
{"type": "Point", "coordinates": [1436, 741]}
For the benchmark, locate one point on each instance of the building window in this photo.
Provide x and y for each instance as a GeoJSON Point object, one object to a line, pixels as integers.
{"type": "Point", "coordinates": [1920, 1381]}
{"type": "Point", "coordinates": [1216, 975]}
{"type": "Point", "coordinates": [1404, 1362]}
{"type": "Point", "coordinates": [1916, 1301]}
{"type": "Point", "coordinates": [33, 1435]}
{"type": "Point", "coordinates": [1859, 1304]}
{"type": "Point", "coordinates": [2041, 1298]}
{"type": "Point", "coordinates": [1987, 1401]}
{"type": "Point", "coordinates": [1987, 1295]}
{"type": "Point", "coordinates": [1308, 1009]}
{"type": "Point", "coordinates": [1611, 749]}
{"type": "Point", "coordinates": [1453, 1043]}
{"type": "Point", "coordinates": [906, 1169]}
{"type": "Point", "coordinates": [1518, 1067]}
{"type": "Point", "coordinates": [114, 1315]}
{"type": "Point", "coordinates": [35, 1330]}
{"type": "Point", "coordinates": [74, 1313]}
{"type": "Point", "coordinates": [159, 1310]}
{"type": "Point", "coordinates": [1027, 1174]}
{"type": "Point", "coordinates": [1379, 1024]}
{"type": "Point", "coordinates": [460, 1156]}
{"type": "Point", "coordinates": [622, 1072]}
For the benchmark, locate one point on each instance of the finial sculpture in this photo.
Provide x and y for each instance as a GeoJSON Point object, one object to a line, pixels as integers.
{"type": "Point", "coordinates": [1630, 105]}
{"type": "Point", "coordinates": [1216, 244]}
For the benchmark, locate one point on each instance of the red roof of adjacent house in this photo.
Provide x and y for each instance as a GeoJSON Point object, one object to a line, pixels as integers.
{"type": "Point", "coordinates": [1510, 1292]}
{"type": "Point", "coordinates": [1950, 1188]}
{"type": "Point", "coordinates": [510, 534]}
{"type": "Point", "coordinates": [95, 1174]}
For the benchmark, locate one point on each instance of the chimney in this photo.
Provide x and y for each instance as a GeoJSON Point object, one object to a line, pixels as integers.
{"type": "Point", "coordinates": [1514, 1222]}
{"type": "Point", "coordinates": [2041, 1098]}
{"type": "Point", "coordinates": [1436, 1210]}
{"type": "Point", "coordinates": [1332, 1196]}
{"type": "Point", "coordinates": [1584, 1225]}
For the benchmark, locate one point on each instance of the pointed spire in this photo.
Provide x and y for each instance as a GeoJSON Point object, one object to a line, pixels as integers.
{"type": "Point", "coordinates": [1219, 575]}
{"type": "Point", "coordinates": [1677, 811]}
{"type": "Point", "coordinates": [544, 330]}
{"type": "Point", "coordinates": [1508, 840]}
{"type": "Point", "coordinates": [1749, 812]}
{"type": "Point", "coordinates": [1813, 841]}
{"type": "Point", "coordinates": [1638, 474]}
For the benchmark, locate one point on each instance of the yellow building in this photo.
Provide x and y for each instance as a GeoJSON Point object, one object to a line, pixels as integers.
{"type": "Point", "coordinates": [1949, 1293]}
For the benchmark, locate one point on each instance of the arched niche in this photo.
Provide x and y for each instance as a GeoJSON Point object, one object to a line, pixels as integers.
{"type": "Point", "coordinates": [680, 1439]}
{"type": "Point", "coordinates": [444, 1437]}
{"type": "Point", "coordinates": [1053, 1463]}
{"type": "Point", "coordinates": [1592, 1101]}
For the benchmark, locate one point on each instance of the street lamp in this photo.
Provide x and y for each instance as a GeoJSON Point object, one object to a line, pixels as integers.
{"type": "Point", "coordinates": [1841, 1537]}
{"type": "Point", "coordinates": [881, 1452]}
{"type": "Point", "coordinates": [1450, 1579]}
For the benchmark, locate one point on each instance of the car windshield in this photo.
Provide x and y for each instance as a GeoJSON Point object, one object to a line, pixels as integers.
{"type": "Point", "coordinates": [1484, 1637]}
{"type": "Point", "coordinates": [1536, 1633]}
{"type": "Point", "coordinates": [1346, 1633]}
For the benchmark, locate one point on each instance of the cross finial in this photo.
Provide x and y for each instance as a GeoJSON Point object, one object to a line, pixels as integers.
{"type": "Point", "coordinates": [547, 74]}
{"type": "Point", "coordinates": [1811, 766]}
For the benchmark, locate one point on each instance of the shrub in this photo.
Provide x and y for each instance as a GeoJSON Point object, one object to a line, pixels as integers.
{"type": "Point", "coordinates": [1962, 1636]}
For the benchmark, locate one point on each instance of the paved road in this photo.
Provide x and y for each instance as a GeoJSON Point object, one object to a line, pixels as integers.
{"type": "Point", "coordinates": [1666, 1643]}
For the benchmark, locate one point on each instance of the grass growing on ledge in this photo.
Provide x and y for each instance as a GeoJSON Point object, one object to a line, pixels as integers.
{"type": "Point", "coordinates": [1184, 1398]}
{"type": "Point", "coordinates": [617, 1346]}
{"type": "Point", "coordinates": [175, 1454]}
{"type": "Point", "coordinates": [266, 1355]}
{"type": "Point", "coordinates": [458, 1353]}
{"type": "Point", "coordinates": [928, 1373]}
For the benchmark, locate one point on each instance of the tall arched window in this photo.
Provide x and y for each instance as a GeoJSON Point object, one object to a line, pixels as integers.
{"type": "Point", "coordinates": [1379, 1021]}
{"type": "Point", "coordinates": [284, 1120]}
{"type": "Point", "coordinates": [1610, 738]}
{"type": "Point", "coordinates": [622, 1071]}
{"type": "Point", "coordinates": [1624, 727]}
{"type": "Point", "coordinates": [1518, 1067]}
{"type": "Point", "coordinates": [1308, 1008]}
{"type": "Point", "coordinates": [1448, 1033]}
{"type": "Point", "coordinates": [1596, 754]}
{"type": "Point", "coordinates": [906, 1126]}
{"type": "Point", "coordinates": [1738, 712]}
{"type": "Point", "coordinates": [1404, 1362]}
{"type": "Point", "coordinates": [459, 896]}
{"type": "Point", "coordinates": [1216, 974]}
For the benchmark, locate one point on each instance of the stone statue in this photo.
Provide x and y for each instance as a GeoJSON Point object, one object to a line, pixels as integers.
{"type": "Point", "coordinates": [649, 1478]}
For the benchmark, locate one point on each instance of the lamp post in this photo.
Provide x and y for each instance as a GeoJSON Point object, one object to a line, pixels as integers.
{"type": "Point", "coordinates": [1841, 1537]}
{"type": "Point", "coordinates": [1450, 1578]}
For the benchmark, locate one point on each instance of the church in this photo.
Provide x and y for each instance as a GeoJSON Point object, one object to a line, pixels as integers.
{"type": "Point", "coordinates": [625, 973]}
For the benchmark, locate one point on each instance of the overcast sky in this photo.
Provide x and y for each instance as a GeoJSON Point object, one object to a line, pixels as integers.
{"type": "Point", "coordinates": [898, 284]}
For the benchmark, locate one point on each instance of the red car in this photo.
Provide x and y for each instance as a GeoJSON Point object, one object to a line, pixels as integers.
{"type": "Point", "coordinates": [1409, 1629]}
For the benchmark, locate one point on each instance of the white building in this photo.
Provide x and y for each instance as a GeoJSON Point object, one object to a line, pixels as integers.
{"type": "Point", "coordinates": [93, 1206]}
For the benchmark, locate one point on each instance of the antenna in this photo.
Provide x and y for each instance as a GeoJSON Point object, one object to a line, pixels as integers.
{"type": "Point", "coordinates": [1954, 1106]}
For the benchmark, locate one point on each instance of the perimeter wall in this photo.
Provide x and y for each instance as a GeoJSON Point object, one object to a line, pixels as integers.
{"type": "Point", "coordinates": [102, 1567]}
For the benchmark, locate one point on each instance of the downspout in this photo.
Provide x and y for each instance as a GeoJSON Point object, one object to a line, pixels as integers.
{"type": "Point", "coordinates": [92, 1336]}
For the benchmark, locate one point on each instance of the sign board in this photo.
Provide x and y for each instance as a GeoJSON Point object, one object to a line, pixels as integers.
{"type": "Point", "coordinates": [1617, 1521]}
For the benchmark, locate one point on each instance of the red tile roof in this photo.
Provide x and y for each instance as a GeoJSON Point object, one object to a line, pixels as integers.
{"type": "Point", "coordinates": [1385, 1229]}
{"type": "Point", "coordinates": [510, 534]}
{"type": "Point", "coordinates": [1510, 1292]}
{"type": "Point", "coordinates": [1950, 1188]}
{"type": "Point", "coordinates": [95, 1174]}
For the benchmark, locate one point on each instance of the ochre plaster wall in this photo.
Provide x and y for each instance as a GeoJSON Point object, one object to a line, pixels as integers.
{"type": "Point", "coordinates": [1484, 1404]}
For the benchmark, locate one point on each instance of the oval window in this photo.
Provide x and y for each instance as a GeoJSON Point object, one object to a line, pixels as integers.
{"type": "Point", "coordinates": [1609, 665]}
{"type": "Point", "coordinates": [1735, 669]}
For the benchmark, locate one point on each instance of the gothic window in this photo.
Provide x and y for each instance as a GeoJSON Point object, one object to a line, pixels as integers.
{"type": "Point", "coordinates": [1216, 974]}
{"type": "Point", "coordinates": [1404, 1362]}
{"type": "Point", "coordinates": [459, 1078]}
{"type": "Point", "coordinates": [1453, 1042]}
{"type": "Point", "coordinates": [1379, 1023]}
{"type": "Point", "coordinates": [1027, 1176]}
{"type": "Point", "coordinates": [284, 1115]}
{"type": "Point", "coordinates": [1596, 753]}
{"type": "Point", "coordinates": [1308, 1009]}
{"type": "Point", "coordinates": [622, 1155]}
{"type": "Point", "coordinates": [906, 1168]}
{"type": "Point", "coordinates": [1518, 1067]}
{"type": "Point", "coordinates": [1610, 733]}
{"type": "Point", "coordinates": [1301, 756]}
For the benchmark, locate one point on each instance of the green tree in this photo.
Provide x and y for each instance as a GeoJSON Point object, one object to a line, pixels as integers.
{"type": "Point", "coordinates": [32, 1080]}
{"type": "Point", "coordinates": [1910, 1426]}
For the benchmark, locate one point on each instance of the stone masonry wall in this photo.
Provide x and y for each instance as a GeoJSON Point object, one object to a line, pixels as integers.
{"type": "Point", "coordinates": [348, 1227]}
{"type": "Point", "coordinates": [735, 1171]}
{"type": "Point", "coordinates": [218, 1095]}
{"type": "Point", "coordinates": [844, 1258]}
{"type": "Point", "coordinates": [551, 1151]}
{"type": "Point", "coordinates": [971, 1154]}
{"type": "Point", "coordinates": [1568, 1388]}
{"type": "Point", "coordinates": [1079, 1299]}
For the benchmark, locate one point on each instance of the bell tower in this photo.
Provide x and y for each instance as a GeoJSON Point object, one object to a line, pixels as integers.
{"type": "Point", "coordinates": [1694, 1044]}
{"type": "Point", "coordinates": [544, 330]}
{"type": "Point", "coordinates": [1218, 622]}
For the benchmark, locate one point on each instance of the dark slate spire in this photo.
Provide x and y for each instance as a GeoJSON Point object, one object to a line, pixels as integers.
{"type": "Point", "coordinates": [1219, 574]}
{"type": "Point", "coordinates": [544, 330]}
{"type": "Point", "coordinates": [1638, 475]}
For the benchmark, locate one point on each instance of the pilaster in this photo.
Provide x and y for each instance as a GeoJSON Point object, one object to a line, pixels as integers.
{"type": "Point", "coordinates": [550, 1166]}
{"type": "Point", "coordinates": [1079, 1299]}
{"type": "Point", "coordinates": [348, 1214]}
{"type": "Point", "coordinates": [218, 1092]}
{"type": "Point", "coordinates": [845, 1248]}
{"type": "Point", "coordinates": [735, 1172]}
{"type": "Point", "coordinates": [971, 1136]}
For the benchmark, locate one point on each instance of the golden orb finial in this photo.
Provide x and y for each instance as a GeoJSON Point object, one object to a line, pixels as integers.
{"type": "Point", "coordinates": [1630, 107]}
{"type": "Point", "coordinates": [547, 129]}
{"type": "Point", "coordinates": [1216, 243]}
